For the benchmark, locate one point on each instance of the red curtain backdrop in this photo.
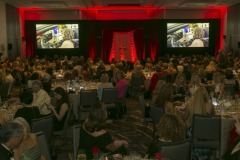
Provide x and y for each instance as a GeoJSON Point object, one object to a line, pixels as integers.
{"type": "Point", "coordinates": [123, 47]}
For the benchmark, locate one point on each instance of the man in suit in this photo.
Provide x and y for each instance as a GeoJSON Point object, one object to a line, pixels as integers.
{"type": "Point", "coordinates": [11, 136]}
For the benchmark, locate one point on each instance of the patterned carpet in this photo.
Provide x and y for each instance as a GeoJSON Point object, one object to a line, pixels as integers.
{"type": "Point", "coordinates": [129, 127]}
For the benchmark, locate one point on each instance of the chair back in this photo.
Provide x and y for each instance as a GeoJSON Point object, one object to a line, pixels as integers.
{"type": "Point", "coordinates": [67, 118]}
{"type": "Point", "coordinates": [10, 88]}
{"type": "Point", "coordinates": [177, 150]}
{"type": "Point", "coordinates": [164, 78]}
{"type": "Point", "coordinates": [44, 124]}
{"type": "Point", "coordinates": [156, 113]}
{"type": "Point", "coordinates": [230, 89]}
{"type": "Point", "coordinates": [76, 137]}
{"type": "Point", "coordinates": [43, 144]}
{"type": "Point", "coordinates": [4, 90]}
{"type": "Point", "coordinates": [109, 95]}
{"type": "Point", "coordinates": [206, 131]}
{"type": "Point", "coordinates": [88, 97]}
{"type": "Point", "coordinates": [142, 103]}
{"type": "Point", "coordinates": [137, 81]}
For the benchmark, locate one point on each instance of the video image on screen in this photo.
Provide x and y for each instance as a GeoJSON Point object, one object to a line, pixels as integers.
{"type": "Point", "coordinates": [53, 36]}
{"type": "Point", "coordinates": [187, 35]}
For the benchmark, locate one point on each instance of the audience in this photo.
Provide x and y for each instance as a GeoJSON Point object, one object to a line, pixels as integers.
{"type": "Point", "coordinates": [203, 69]}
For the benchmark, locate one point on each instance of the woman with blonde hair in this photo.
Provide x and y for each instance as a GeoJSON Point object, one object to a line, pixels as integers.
{"type": "Point", "coordinates": [4, 117]}
{"type": "Point", "coordinates": [104, 84]}
{"type": "Point", "coordinates": [157, 90]}
{"type": "Point", "coordinates": [169, 129]}
{"type": "Point", "coordinates": [218, 81]}
{"type": "Point", "coordinates": [198, 105]}
{"type": "Point", "coordinates": [29, 148]}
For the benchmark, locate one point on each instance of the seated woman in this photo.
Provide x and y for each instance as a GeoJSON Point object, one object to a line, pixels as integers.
{"type": "Point", "coordinates": [170, 129]}
{"type": "Point", "coordinates": [104, 84]}
{"type": "Point", "coordinates": [157, 90]}
{"type": "Point", "coordinates": [4, 117]}
{"type": "Point", "coordinates": [61, 109]}
{"type": "Point", "coordinates": [92, 134]}
{"type": "Point", "coordinates": [180, 87]}
{"type": "Point", "coordinates": [198, 104]}
{"type": "Point", "coordinates": [28, 112]}
{"type": "Point", "coordinates": [29, 148]}
{"type": "Point", "coordinates": [155, 78]}
{"type": "Point", "coordinates": [194, 84]}
{"type": "Point", "coordinates": [218, 81]}
{"type": "Point", "coordinates": [233, 152]}
{"type": "Point", "coordinates": [165, 98]}
{"type": "Point", "coordinates": [121, 83]}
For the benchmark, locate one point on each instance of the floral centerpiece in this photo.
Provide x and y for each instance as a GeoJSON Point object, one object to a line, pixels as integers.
{"type": "Point", "coordinates": [95, 152]}
{"type": "Point", "coordinates": [158, 156]}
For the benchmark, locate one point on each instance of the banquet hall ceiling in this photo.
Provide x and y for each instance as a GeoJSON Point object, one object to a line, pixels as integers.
{"type": "Point", "coordinates": [61, 4]}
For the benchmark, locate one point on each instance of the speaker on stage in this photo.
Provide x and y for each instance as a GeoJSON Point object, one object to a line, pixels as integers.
{"type": "Point", "coordinates": [238, 44]}
{"type": "Point", "coordinates": [9, 46]}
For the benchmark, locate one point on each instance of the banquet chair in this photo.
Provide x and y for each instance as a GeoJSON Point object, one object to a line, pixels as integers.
{"type": "Point", "coordinates": [137, 85]}
{"type": "Point", "coordinates": [87, 98]}
{"type": "Point", "coordinates": [43, 144]}
{"type": "Point", "coordinates": [63, 132]}
{"type": "Point", "coordinates": [122, 101]}
{"type": "Point", "coordinates": [230, 89]}
{"type": "Point", "coordinates": [44, 124]}
{"type": "Point", "coordinates": [142, 105]}
{"type": "Point", "coordinates": [109, 100]}
{"type": "Point", "coordinates": [163, 77]}
{"type": "Point", "coordinates": [206, 132]}
{"type": "Point", "coordinates": [76, 137]}
{"type": "Point", "coordinates": [177, 150]}
{"type": "Point", "coordinates": [4, 90]}
{"type": "Point", "coordinates": [156, 114]}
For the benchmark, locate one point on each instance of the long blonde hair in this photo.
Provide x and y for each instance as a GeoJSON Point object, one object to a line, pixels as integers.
{"type": "Point", "coordinates": [157, 89]}
{"type": "Point", "coordinates": [198, 104]}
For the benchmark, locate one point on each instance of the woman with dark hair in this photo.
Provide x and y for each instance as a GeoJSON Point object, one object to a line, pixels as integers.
{"type": "Point", "coordinates": [28, 111]}
{"type": "Point", "coordinates": [61, 109]}
{"type": "Point", "coordinates": [170, 129]}
{"type": "Point", "coordinates": [92, 134]}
